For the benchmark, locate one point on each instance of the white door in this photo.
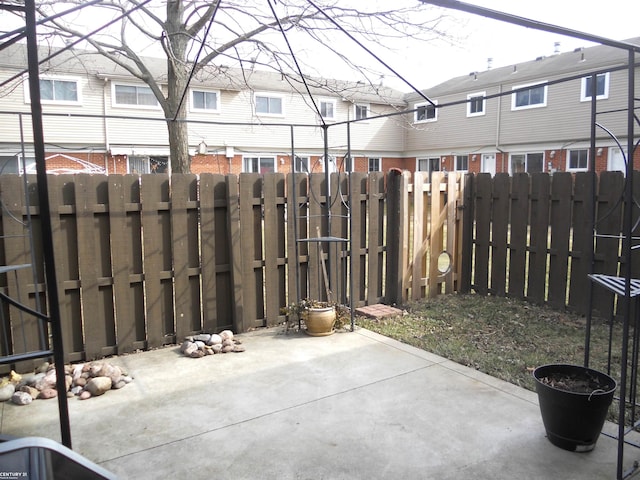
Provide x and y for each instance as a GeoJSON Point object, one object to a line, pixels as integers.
{"type": "Point", "coordinates": [488, 163]}
{"type": "Point", "coordinates": [616, 160]}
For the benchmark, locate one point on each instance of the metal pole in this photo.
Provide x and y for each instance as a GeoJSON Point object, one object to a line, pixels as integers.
{"type": "Point", "coordinates": [45, 216]}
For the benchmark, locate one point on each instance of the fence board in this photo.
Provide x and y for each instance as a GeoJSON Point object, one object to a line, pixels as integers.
{"type": "Point", "coordinates": [208, 231]}
{"type": "Point", "coordinates": [499, 234]}
{"type": "Point", "coordinates": [23, 331]}
{"type": "Point", "coordinates": [297, 252]}
{"type": "Point", "coordinates": [358, 235]}
{"type": "Point", "coordinates": [124, 217]}
{"type": "Point", "coordinates": [518, 234]}
{"type": "Point", "coordinates": [608, 221]}
{"type": "Point", "coordinates": [539, 237]}
{"type": "Point", "coordinates": [338, 264]}
{"type": "Point", "coordinates": [156, 227]}
{"type": "Point", "coordinates": [436, 231]}
{"type": "Point", "coordinates": [453, 201]}
{"type": "Point", "coordinates": [483, 203]}
{"type": "Point", "coordinates": [466, 236]}
{"type": "Point", "coordinates": [316, 227]}
{"type": "Point", "coordinates": [420, 236]}
{"type": "Point", "coordinates": [184, 245]}
{"type": "Point", "coordinates": [397, 259]}
{"type": "Point", "coordinates": [274, 246]}
{"type": "Point", "coordinates": [582, 246]}
{"type": "Point", "coordinates": [375, 238]}
{"type": "Point", "coordinates": [94, 255]}
{"type": "Point", "coordinates": [560, 222]}
{"type": "Point", "coordinates": [239, 318]}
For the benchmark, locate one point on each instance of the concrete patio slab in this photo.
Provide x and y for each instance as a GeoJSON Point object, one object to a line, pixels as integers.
{"type": "Point", "coordinates": [347, 406]}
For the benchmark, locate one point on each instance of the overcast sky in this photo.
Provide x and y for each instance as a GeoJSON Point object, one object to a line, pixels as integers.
{"type": "Point", "coordinates": [483, 38]}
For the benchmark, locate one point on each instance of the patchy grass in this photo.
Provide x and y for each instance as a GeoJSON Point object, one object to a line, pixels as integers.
{"type": "Point", "coordinates": [502, 337]}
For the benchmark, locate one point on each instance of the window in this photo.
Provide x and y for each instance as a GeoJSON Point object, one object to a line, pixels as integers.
{"type": "Point", "coordinates": [14, 164]}
{"type": "Point", "coordinates": [526, 96]}
{"type": "Point", "coordinates": [475, 104]}
{"type": "Point", "coordinates": [602, 87]}
{"type": "Point", "coordinates": [328, 109]}
{"type": "Point", "coordinates": [205, 101]}
{"type": "Point", "coordinates": [59, 90]}
{"type": "Point", "coordinates": [302, 164]}
{"type": "Point", "coordinates": [269, 104]}
{"type": "Point", "coordinates": [375, 164]}
{"type": "Point", "coordinates": [578, 159]}
{"type": "Point", "coordinates": [425, 112]}
{"type": "Point", "coordinates": [462, 163]}
{"type": "Point", "coordinates": [361, 111]}
{"type": "Point", "coordinates": [134, 96]}
{"type": "Point", "coordinates": [259, 164]}
{"type": "Point", "coordinates": [148, 164]}
{"type": "Point", "coordinates": [526, 162]}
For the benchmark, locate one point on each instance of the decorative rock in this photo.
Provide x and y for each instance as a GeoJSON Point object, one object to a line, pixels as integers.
{"type": "Point", "coordinates": [119, 384]}
{"type": "Point", "coordinates": [227, 348]}
{"type": "Point", "coordinates": [21, 398]}
{"type": "Point", "coordinates": [239, 348]}
{"type": "Point", "coordinates": [48, 393]}
{"type": "Point", "coordinates": [190, 349]}
{"type": "Point", "coordinates": [15, 377]}
{"type": "Point", "coordinates": [226, 334]}
{"type": "Point", "coordinates": [199, 344]}
{"type": "Point", "coordinates": [185, 345]}
{"type": "Point", "coordinates": [208, 350]}
{"type": "Point", "coordinates": [31, 391]}
{"type": "Point", "coordinates": [227, 342]}
{"type": "Point", "coordinates": [203, 337]}
{"type": "Point", "coordinates": [197, 354]}
{"type": "Point", "coordinates": [7, 391]}
{"type": "Point", "coordinates": [189, 338]}
{"type": "Point", "coordinates": [98, 385]}
{"type": "Point", "coordinates": [77, 390]}
{"type": "Point", "coordinates": [80, 382]}
{"type": "Point", "coordinates": [127, 379]}
{"type": "Point", "coordinates": [43, 368]}
{"type": "Point", "coordinates": [94, 369]}
{"type": "Point", "coordinates": [217, 348]}
{"type": "Point", "coordinates": [48, 381]}
{"type": "Point", "coordinates": [85, 395]}
{"type": "Point", "coordinates": [215, 339]}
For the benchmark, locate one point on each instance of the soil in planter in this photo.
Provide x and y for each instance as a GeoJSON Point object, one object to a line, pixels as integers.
{"type": "Point", "coordinates": [583, 383]}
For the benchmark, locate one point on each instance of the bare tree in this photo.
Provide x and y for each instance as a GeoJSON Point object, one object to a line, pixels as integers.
{"type": "Point", "coordinates": [199, 36]}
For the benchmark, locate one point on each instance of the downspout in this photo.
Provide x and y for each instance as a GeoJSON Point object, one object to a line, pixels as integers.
{"type": "Point", "coordinates": [498, 125]}
{"type": "Point", "coordinates": [105, 128]}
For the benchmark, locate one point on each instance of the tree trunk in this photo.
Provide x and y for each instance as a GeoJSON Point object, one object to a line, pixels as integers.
{"type": "Point", "coordinates": [177, 81]}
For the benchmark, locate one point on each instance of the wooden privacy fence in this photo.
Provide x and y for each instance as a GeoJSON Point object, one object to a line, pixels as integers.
{"type": "Point", "coordinates": [530, 236]}
{"type": "Point", "coordinates": [143, 261]}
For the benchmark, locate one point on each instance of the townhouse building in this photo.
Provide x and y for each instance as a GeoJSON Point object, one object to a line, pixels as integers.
{"type": "Point", "coordinates": [530, 117]}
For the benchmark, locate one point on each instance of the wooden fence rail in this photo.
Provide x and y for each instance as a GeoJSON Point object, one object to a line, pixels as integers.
{"type": "Point", "coordinates": [142, 261]}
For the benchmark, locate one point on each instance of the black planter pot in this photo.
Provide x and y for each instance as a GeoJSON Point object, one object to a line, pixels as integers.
{"type": "Point", "coordinates": [573, 421]}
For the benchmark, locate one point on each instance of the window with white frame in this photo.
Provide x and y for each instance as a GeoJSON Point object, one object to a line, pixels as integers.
{"type": "Point", "coordinates": [431, 164]}
{"type": "Point", "coordinates": [138, 96]}
{"type": "Point", "coordinates": [578, 160]}
{"type": "Point", "coordinates": [361, 111]}
{"type": "Point", "coordinates": [205, 101]}
{"type": "Point", "coordinates": [475, 104]}
{"type": "Point", "coordinates": [269, 104]}
{"type": "Point", "coordinates": [375, 164]}
{"type": "Point", "coordinates": [58, 90]}
{"type": "Point", "coordinates": [425, 112]}
{"type": "Point", "coordinates": [14, 164]}
{"type": "Point", "coordinates": [147, 164]}
{"type": "Point", "coordinates": [602, 87]}
{"type": "Point", "coordinates": [462, 163]}
{"type": "Point", "coordinates": [526, 163]}
{"type": "Point", "coordinates": [327, 109]}
{"type": "Point", "coordinates": [529, 96]}
{"type": "Point", "coordinates": [259, 164]}
{"type": "Point", "coordinates": [301, 164]}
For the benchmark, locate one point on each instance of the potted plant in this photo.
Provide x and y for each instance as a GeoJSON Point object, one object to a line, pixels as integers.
{"type": "Point", "coordinates": [574, 402]}
{"type": "Point", "coordinates": [320, 318]}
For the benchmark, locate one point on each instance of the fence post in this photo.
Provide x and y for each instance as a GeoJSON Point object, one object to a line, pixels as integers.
{"type": "Point", "coordinates": [464, 285]}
